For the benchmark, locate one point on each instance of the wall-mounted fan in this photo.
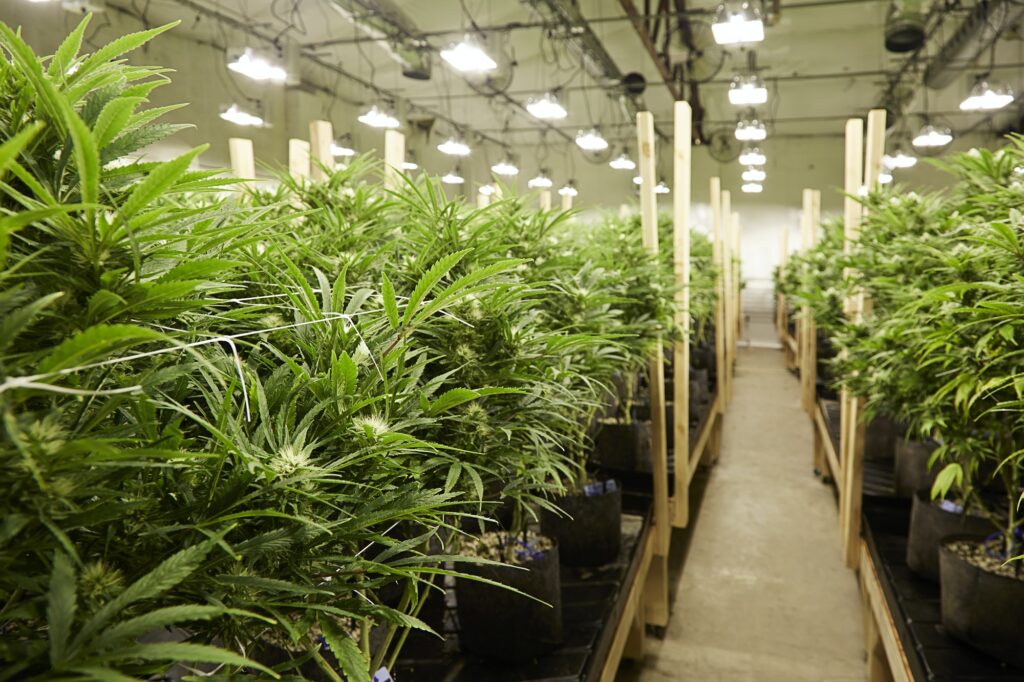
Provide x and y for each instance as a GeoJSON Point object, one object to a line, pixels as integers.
{"type": "Point", "coordinates": [704, 58]}
{"type": "Point", "coordinates": [723, 146]}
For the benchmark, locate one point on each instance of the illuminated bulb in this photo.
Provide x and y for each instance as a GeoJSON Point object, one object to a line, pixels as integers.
{"type": "Point", "coordinates": [752, 156]}
{"type": "Point", "coordinates": [453, 146]}
{"type": "Point", "coordinates": [884, 177]}
{"type": "Point", "coordinates": [251, 65]}
{"type": "Point", "coordinates": [747, 90]}
{"type": "Point", "coordinates": [752, 188]}
{"type": "Point", "coordinates": [900, 159]}
{"type": "Point", "coordinates": [591, 140]}
{"type": "Point", "coordinates": [753, 175]}
{"type": "Point", "coordinates": [737, 22]}
{"type": "Point", "coordinates": [376, 117]}
{"type": "Point", "coordinates": [468, 57]}
{"type": "Point", "coordinates": [547, 107]}
{"type": "Point", "coordinates": [239, 117]}
{"type": "Point", "coordinates": [342, 148]}
{"type": "Point", "coordinates": [637, 180]}
{"type": "Point", "coordinates": [540, 181]}
{"type": "Point", "coordinates": [453, 177]}
{"type": "Point", "coordinates": [661, 188]}
{"type": "Point", "coordinates": [751, 130]}
{"type": "Point", "coordinates": [984, 97]}
{"type": "Point", "coordinates": [930, 136]}
{"type": "Point", "coordinates": [487, 190]}
{"type": "Point", "coordinates": [622, 162]}
{"type": "Point", "coordinates": [409, 165]}
{"type": "Point", "coordinates": [568, 190]}
{"type": "Point", "coordinates": [506, 167]}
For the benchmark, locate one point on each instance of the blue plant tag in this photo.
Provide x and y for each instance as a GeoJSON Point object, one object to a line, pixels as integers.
{"type": "Point", "coordinates": [592, 489]}
{"type": "Point", "coordinates": [950, 506]}
{"type": "Point", "coordinates": [610, 486]}
{"type": "Point", "coordinates": [382, 675]}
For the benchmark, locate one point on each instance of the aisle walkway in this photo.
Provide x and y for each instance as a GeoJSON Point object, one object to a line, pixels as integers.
{"type": "Point", "coordinates": [764, 595]}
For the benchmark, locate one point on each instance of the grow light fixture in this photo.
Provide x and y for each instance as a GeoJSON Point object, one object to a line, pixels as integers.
{"type": "Point", "coordinates": [987, 97]}
{"type": "Point", "coordinates": [899, 159]}
{"type": "Point", "coordinates": [751, 130]}
{"type": "Point", "coordinates": [569, 190]}
{"type": "Point", "coordinates": [233, 114]}
{"type": "Point", "coordinates": [622, 162]}
{"type": "Point", "coordinates": [546, 108]}
{"type": "Point", "coordinates": [884, 177]}
{"type": "Point", "coordinates": [487, 190]}
{"type": "Point", "coordinates": [753, 156]}
{"type": "Point", "coordinates": [736, 23]}
{"type": "Point", "coordinates": [343, 147]}
{"type": "Point", "coordinates": [453, 177]}
{"type": "Point", "coordinates": [932, 136]}
{"type": "Point", "coordinates": [540, 181]}
{"type": "Point", "coordinates": [661, 188]}
{"type": "Point", "coordinates": [638, 180]}
{"type": "Point", "coordinates": [253, 65]}
{"type": "Point", "coordinates": [752, 188]}
{"type": "Point", "coordinates": [752, 174]}
{"type": "Point", "coordinates": [506, 167]}
{"type": "Point", "coordinates": [747, 90]}
{"type": "Point", "coordinates": [591, 140]}
{"type": "Point", "coordinates": [410, 163]}
{"type": "Point", "coordinates": [378, 117]}
{"type": "Point", "coordinates": [468, 57]}
{"type": "Point", "coordinates": [454, 146]}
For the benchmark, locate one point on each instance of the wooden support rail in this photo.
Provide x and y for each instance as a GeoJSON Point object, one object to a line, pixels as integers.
{"type": "Point", "coordinates": [728, 327]}
{"type": "Point", "coordinates": [807, 343]}
{"type": "Point", "coordinates": [887, 660]}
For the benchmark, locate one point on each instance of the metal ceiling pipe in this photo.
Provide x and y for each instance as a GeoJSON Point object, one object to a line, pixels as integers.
{"type": "Point", "coordinates": [905, 24]}
{"type": "Point", "coordinates": [979, 30]}
{"type": "Point", "coordinates": [577, 34]}
{"type": "Point", "coordinates": [393, 30]}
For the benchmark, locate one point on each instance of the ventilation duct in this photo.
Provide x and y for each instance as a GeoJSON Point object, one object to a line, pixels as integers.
{"type": "Point", "coordinates": [904, 25]}
{"type": "Point", "coordinates": [983, 25]}
{"type": "Point", "coordinates": [393, 30]}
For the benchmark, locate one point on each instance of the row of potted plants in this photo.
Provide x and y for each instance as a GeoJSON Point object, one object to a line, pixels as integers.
{"type": "Point", "coordinates": [255, 430]}
{"type": "Point", "coordinates": [938, 353]}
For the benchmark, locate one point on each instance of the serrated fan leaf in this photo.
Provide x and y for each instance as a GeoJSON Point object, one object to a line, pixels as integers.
{"type": "Point", "coordinates": [10, 149]}
{"type": "Point", "coordinates": [118, 47]}
{"type": "Point", "coordinates": [113, 119]}
{"type": "Point", "coordinates": [16, 321]}
{"type": "Point", "coordinates": [68, 49]}
{"type": "Point", "coordinates": [182, 652]}
{"type": "Point", "coordinates": [32, 69]}
{"type": "Point", "coordinates": [157, 182]}
{"type": "Point", "coordinates": [351, 659]}
{"type": "Point", "coordinates": [388, 297]}
{"type": "Point", "coordinates": [93, 344]}
{"type": "Point", "coordinates": [60, 607]}
{"type": "Point", "coordinates": [127, 631]}
{"type": "Point", "coordinates": [429, 280]}
{"type": "Point", "coordinates": [452, 398]}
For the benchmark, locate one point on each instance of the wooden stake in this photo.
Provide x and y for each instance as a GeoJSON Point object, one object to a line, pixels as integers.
{"type": "Point", "coordinates": [544, 198]}
{"type": "Point", "coordinates": [482, 200]}
{"type": "Point", "coordinates": [681, 165]}
{"type": "Point", "coordinates": [394, 156]}
{"type": "Point", "coordinates": [566, 202]}
{"type": "Point", "coordinates": [321, 136]}
{"type": "Point", "coordinates": [298, 158]}
{"type": "Point", "coordinates": [807, 345]}
{"type": "Point", "coordinates": [243, 162]}
{"type": "Point", "coordinates": [725, 373]}
{"type": "Point", "coordinates": [657, 582]}
{"type": "Point", "coordinates": [853, 451]}
{"type": "Point", "coordinates": [737, 285]}
{"type": "Point", "coordinates": [717, 256]}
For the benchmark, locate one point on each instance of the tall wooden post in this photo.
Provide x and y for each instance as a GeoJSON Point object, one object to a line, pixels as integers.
{"type": "Point", "coordinates": [781, 323]}
{"type": "Point", "coordinates": [729, 330]}
{"type": "Point", "coordinates": [394, 156]}
{"type": "Point", "coordinates": [737, 285]}
{"type": "Point", "coordinates": [656, 596]}
{"type": "Point", "coordinates": [544, 199]}
{"type": "Point", "coordinates": [566, 202]}
{"type": "Point", "coordinates": [717, 257]}
{"type": "Point", "coordinates": [321, 136]}
{"type": "Point", "coordinates": [808, 333]}
{"type": "Point", "coordinates": [682, 163]}
{"type": "Point", "coordinates": [243, 162]}
{"type": "Point", "coordinates": [852, 445]}
{"type": "Point", "coordinates": [298, 158]}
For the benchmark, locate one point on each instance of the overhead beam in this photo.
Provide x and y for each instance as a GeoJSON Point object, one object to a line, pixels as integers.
{"type": "Point", "coordinates": [648, 40]}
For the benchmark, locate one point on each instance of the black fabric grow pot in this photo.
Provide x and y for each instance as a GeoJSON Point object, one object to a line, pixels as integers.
{"type": "Point", "coordinates": [979, 607]}
{"type": "Point", "coordinates": [910, 466]}
{"type": "Point", "coordinates": [623, 447]}
{"type": "Point", "coordinates": [592, 533]}
{"type": "Point", "coordinates": [498, 623]}
{"type": "Point", "coordinates": [880, 438]}
{"type": "Point", "coordinates": [929, 524]}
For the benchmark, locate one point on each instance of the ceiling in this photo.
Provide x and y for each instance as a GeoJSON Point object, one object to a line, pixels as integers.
{"type": "Point", "coordinates": [824, 62]}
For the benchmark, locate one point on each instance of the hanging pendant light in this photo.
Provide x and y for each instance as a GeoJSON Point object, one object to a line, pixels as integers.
{"type": "Point", "coordinates": [986, 96]}
{"type": "Point", "coordinates": [569, 189]}
{"type": "Point", "coordinates": [507, 167]}
{"type": "Point", "coordinates": [736, 23]}
{"type": "Point", "coordinates": [487, 190]}
{"type": "Point", "coordinates": [747, 90]}
{"type": "Point", "coordinates": [259, 67]}
{"type": "Point", "coordinates": [931, 136]}
{"type": "Point", "coordinates": [900, 158]}
{"type": "Point", "coordinates": [752, 174]}
{"type": "Point", "coordinates": [453, 177]}
{"type": "Point", "coordinates": [410, 162]}
{"type": "Point", "coordinates": [752, 188]}
{"type": "Point", "coordinates": [540, 181]}
{"type": "Point", "coordinates": [238, 116]}
{"type": "Point", "coordinates": [468, 57]}
{"type": "Point", "coordinates": [378, 117]}
{"type": "Point", "coordinates": [751, 130]}
{"type": "Point", "coordinates": [454, 146]}
{"type": "Point", "coordinates": [638, 180]}
{"type": "Point", "coordinates": [884, 177]}
{"type": "Point", "coordinates": [622, 162]}
{"type": "Point", "coordinates": [753, 156]}
{"type": "Point", "coordinates": [591, 140]}
{"type": "Point", "coordinates": [661, 188]}
{"type": "Point", "coordinates": [343, 146]}
{"type": "Point", "coordinates": [547, 107]}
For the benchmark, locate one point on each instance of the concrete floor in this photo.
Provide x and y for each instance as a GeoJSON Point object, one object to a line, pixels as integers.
{"type": "Point", "coordinates": [763, 594]}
